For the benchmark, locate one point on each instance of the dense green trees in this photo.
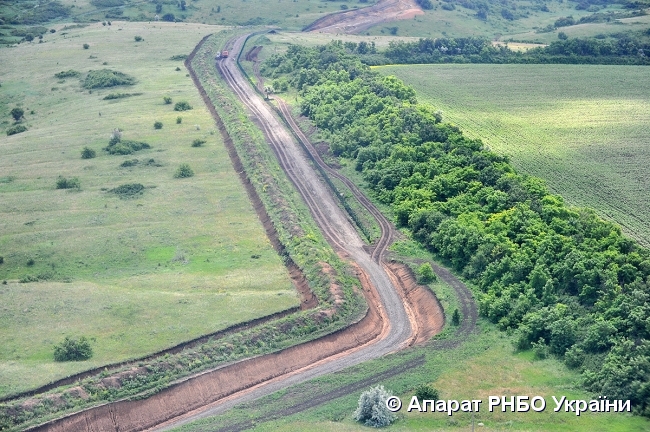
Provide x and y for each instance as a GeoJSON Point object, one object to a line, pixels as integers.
{"type": "Point", "coordinates": [564, 280]}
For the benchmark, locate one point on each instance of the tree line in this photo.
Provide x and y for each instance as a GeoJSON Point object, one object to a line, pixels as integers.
{"type": "Point", "coordinates": [624, 50]}
{"type": "Point", "coordinates": [562, 279]}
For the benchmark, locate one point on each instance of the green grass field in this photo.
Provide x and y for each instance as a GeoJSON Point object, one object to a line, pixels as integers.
{"type": "Point", "coordinates": [584, 129]}
{"type": "Point", "coordinates": [183, 259]}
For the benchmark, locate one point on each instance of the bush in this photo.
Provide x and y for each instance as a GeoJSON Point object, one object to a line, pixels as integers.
{"type": "Point", "coordinates": [106, 78]}
{"type": "Point", "coordinates": [562, 36]}
{"type": "Point", "coordinates": [455, 318]}
{"type": "Point", "coordinates": [17, 113]}
{"type": "Point", "coordinates": [425, 274]}
{"type": "Point", "coordinates": [426, 392]}
{"type": "Point", "coordinates": [129, 163]}
{"type": "Point", "coordinates": [182, 106]}
{"type": "Point", "coordinates": [138, 38]}
{"type": "Point", "coordinates": [88, 153]}
{"type": "Point", "coordinates": [16, 129]}
{"type": "Point", "coordinates": [372, 410]}
{"type": "Point", "coordinates": [167, 100]}
{"type": "Point", "coordinates": [179, 120]}
{"type": "Point", "coordinates": [183, 171]}
{"type": "Point", "coordinates": [118, 146]}
{"type": "Point", "coordinates": [157, 125]}
{"type": "Point", "coordinates": [86, 46]}
{"type": "Point", "coordinates": [129, 190]}
{"type": "Point", "coordinates": [198, 142]}
{"type": "Point", "coordinates": [2, 259]}
{"type": "Point", "coordinates": [73, 349]}
{"type": "Point", "coordinates": [67, 74]}
{"type": "Point", "coordinates": [169, 17]}
{"type": "Point", "coordinates": [64, 183]}
{"type": "Point", "coordinates": [112, 96]}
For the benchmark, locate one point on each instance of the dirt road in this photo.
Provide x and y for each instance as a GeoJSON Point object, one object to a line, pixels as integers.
{"type": "Point", "coordinates": [358, 20]}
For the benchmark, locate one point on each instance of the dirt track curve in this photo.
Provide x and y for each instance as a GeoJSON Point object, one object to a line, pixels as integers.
{"type": "Point", "coordinates": [358, 20]}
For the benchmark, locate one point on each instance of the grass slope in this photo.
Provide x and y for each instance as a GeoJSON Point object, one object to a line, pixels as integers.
{"type": "Point", "coordinates": [581, 128]}
{"type": "Point", "coordinates": [138, 274]}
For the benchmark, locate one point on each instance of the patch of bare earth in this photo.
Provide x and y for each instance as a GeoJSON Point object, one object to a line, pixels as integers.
{"type": "Point", "coordinates": [358, 20]}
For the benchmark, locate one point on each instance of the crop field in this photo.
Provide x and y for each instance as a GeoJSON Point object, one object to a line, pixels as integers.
{"type": "Point", "coordinates": [180, 258]}
{"type": "Point", "coordinates": [584, 129]}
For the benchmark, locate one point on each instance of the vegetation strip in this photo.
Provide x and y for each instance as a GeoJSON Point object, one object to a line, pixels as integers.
{"type": "Point", "coordinates": [563, 279]}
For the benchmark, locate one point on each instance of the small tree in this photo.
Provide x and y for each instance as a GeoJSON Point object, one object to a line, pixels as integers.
{"type": "Point", "coordinates": [562, 36]}
{"type": "Point", "coordinates": [183, 171]}
{"type": "Point", "coordinates": [88, 153]}
{"type": "Point", "coordinates": [198, 142]}
{"type": "Point", "coordinates": [426, 392]}
{"type": "Point", "coordinates": [157, 125]}
{"type": "Point", "coordinates": [86, 46]}
{"type": "Point", "coordinates": [17, 113]}
{"type": "Point", "coordinates": [73, 349]}
{"type": "Point", "coordinates": [138, 38]}
{"type": "Point", "coordinates": [179, 120]}
{"type": "Point", "coordinates": [426, 274]}
{"type": "Point", "coordinates": [372, 410]}
{"type": "Point", "coordinates": [64, 183]}
{"type": "Point", "coordinates": [455, 318]}
{"type": "Point", "coordinates": [167, 100]}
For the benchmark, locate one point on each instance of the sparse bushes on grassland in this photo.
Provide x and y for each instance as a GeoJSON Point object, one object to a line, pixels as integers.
{"type": "Point", "coordinates": [178, 57]}
{"type": "Point", "coordinates": [67, 74]}
{"type": "Point", "coordinates": [17, 113]}
{"type": "Point", "coordinates": [65, 183]}
{"type": "Point", "coordinates": [88, 153]}
{"type": "Point", "coordinates": [16, 129]}
{"type": "Point", "coordinates": [426, 392]}
{"type": "Point", "coordinates": [183, 171]}
{"type": "Point", "coordinates": [157, 125]}
{"type": "Point", "coordinates": [182, 106]}
{"type": "Point", "coordinates": [179, 120]}
{"type": "Point", "coordinates": [138, 38]}
{"type": "Point", "coordinates": [198, 142]}
{"type": "Point", "coordinates": [86, 46]}
{"type": "Point", "coordinates": [167, 100]}
{"type": "Point", "coordinates": [106, 78]}
{"type": "Point", "coordinates": [71, 349]}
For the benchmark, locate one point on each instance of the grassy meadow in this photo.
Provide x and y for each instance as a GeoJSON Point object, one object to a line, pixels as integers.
{"type": "Point", "coordinates": [186, 257]}
{"type": "Point", "coordinates": [485, 365]}
{"type": "Point", "coordinates": [584, 129]}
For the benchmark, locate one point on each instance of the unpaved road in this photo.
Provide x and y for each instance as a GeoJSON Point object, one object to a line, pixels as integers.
{"type": "Point", "coordinates": [336, 227]}
{"type": "Point", "coordinates": [358, 20]}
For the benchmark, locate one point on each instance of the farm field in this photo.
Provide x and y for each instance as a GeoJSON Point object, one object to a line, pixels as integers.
{"type": "Point", "coordinates": [581, 128]}
{"type": "Point", "coordinates": [181, 259]}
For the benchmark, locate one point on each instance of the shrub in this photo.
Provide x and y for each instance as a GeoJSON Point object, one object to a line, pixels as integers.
{"type": "Point", "coordinates": [88, 153]}
{"type": "Point", "coordinates": [67, 74]}
{"type": "Point", "coordinates": [198, 142]}
{"type": "Point", "coordinates": [64, 183]}
{"type": "Point", "coordinates": [73, 349]}
{"type": "Point", "coordinates": [182, 106]}
{"type": "Point", "coordinates": [179, 120]}
{"type": "Point", "coordinates": [178, 57]}
{"type": "Point", "coordinates": [112, 96]}
{"type": "Point", "coordinates": [129, 163]}
{"type": "Point", "coordinates": [372, 410]}
{"type": "Point", "coordinates": [17, 113]}
{"type": "Point", "coordinates": [157, 125]}
{"type": "Point", "coordinates": [169, 17]}
{"type": "Point", "coordinates": [16, 129]}
{"type": "Point", "coordinates": [138, 38]}
{"type": "Point", "coordinates": [129, 190]}
{"type": "Point", "coordinates": [455, 318]}
{"type": "Point", "coordinates": [30, 262]}
{"type": "Point", "coordinates": [106, 78]}
{"type": "Point", "coordinates": [177, 69]}
{"type": "Point", "coordinates": [167, 100]}
{"type": "Point", "coordinates": [125, 147]}
{"type": "Point", "coordinates": [562, 36]}
{"type": "Point", "coordinates": [2, 259]}
{"type": "Point", "coordinates": [183, 171]}
{"type": "Point", "coordinates": [426, 392]}
{"type": "Point", "coordinates": [86, 46]}
{"type": "Point", "coordinates": [425, 274]}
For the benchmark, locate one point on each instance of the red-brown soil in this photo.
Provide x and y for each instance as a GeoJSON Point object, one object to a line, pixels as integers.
{"type": "Point", "coordinates": [358, 20]}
